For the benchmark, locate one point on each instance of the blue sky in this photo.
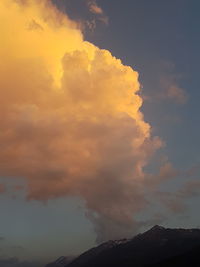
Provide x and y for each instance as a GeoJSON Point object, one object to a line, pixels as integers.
{"type": "Point", "coordinates": [161, 40]}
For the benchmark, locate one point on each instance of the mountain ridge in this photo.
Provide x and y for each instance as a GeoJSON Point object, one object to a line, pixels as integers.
{"type": "Point", "coordinates": [151, 248]}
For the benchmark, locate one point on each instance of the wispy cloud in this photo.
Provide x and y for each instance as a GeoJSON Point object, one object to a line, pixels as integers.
{"type": "Point", "coordinates": [172, 90]}
{"type": "Point", "coordinates": [95, 9]}
{"type": "Point", "coordinates": [167, 85]}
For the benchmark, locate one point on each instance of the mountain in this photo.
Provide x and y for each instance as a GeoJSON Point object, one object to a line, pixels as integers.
{"type": "Point", "coordinates": [156, 247]}
{"type": "Point", "coordinates": [187, 259]}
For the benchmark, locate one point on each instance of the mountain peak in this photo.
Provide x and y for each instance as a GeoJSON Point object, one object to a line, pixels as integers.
{"type": "Point", "coordinates": [157, 227]}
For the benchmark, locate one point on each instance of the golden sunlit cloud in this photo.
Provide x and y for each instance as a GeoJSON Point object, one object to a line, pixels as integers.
{"type": "Point", "coordinates": [69, 114]}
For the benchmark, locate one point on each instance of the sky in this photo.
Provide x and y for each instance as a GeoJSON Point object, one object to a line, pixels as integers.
{"type": "Point", "coordinates": [99, 120]}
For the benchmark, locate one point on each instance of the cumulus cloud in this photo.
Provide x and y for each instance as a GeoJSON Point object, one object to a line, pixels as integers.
{"type": "Point", "coordinates": [70, 118]}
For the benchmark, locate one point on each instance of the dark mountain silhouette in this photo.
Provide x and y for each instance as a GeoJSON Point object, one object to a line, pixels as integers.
{"type": "Point", "coordinates": [157, 247]}
{"type": "Point", "coordinates": [187, 259]}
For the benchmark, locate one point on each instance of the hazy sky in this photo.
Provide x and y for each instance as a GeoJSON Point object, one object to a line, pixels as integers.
{"type": "Point", "coordinates": [78, 161]}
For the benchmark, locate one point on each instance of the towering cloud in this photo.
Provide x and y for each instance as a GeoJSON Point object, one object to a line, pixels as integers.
{"type": "Point", "coordinates": [69, 116]}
